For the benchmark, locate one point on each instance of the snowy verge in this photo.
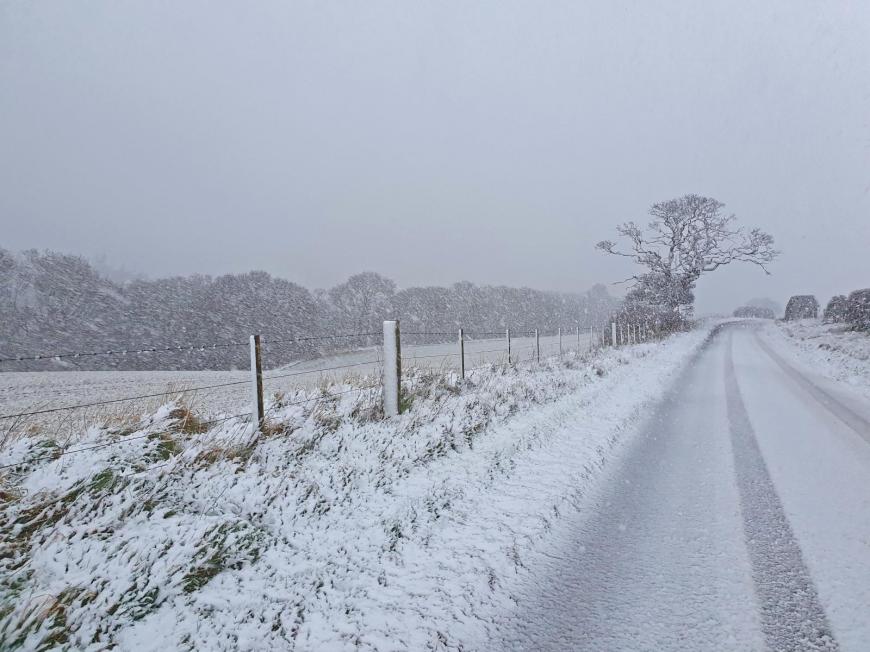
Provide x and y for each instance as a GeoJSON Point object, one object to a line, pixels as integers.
{"type": "Point", "coordinates": [333, 529]}
{"type": "Point", "coordinates": [832, 350]}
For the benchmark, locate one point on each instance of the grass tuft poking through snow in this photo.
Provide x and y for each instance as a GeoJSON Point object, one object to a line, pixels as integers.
{"type": "Point", "coordinates": [331, 528]}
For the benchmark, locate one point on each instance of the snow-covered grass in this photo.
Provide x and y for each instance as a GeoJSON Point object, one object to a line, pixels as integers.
{"type": "Point", "coordinates": [332, 529]}
{"type": "Point", "coordinates": [832, 350]}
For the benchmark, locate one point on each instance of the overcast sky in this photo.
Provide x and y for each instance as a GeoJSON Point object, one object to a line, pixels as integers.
{"type": "Point", "coordinates": [434, 141]}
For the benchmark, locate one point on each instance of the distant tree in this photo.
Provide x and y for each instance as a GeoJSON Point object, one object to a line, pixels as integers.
{"type": "Point", "coordinates": [686, 238]}
{"type": "Point", "coordinates": [835, 311]}
{"type": "Point", "coordinates": [755, 312]}
{"type": "Point", "coordinates": [802, 306]}
{"type": "Point", "coordinates": [765, 302]}
{"type": "Point", "coordinates": [858, 309]}
{"type": "Point", "coordinates": [601, 305]}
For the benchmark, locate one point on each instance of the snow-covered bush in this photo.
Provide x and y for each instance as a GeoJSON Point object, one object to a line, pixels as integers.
{"type": "Point", "coordinates": [835, 311]}
{"type": "Point", "coordinates": [804, 306]}
{"type": "Point", "coordinates": [858, 309]}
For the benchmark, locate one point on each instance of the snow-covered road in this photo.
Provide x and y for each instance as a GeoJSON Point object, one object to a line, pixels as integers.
{"type": "Point", "coordinates": [737, 519]}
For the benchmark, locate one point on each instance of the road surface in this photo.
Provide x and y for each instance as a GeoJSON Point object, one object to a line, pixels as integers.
{"type": "Point", "coordinates": [737, 519]}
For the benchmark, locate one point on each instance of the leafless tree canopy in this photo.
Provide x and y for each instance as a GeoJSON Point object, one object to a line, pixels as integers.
{"type": "Point", "coordinates": [686, 238]}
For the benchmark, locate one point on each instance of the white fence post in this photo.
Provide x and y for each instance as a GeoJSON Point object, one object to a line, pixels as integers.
{"type": "Point", "coordinates": [613, 333]}
{"type": "Point", "coordinates": [591, 336]}
{"type": "Point", "coordinates": [257, 413]}
{"type": "Point", "coordinates": [461, 355]}
{"type": "Point", "coordinates": [537, 346]}
{"type": "Point", "coordinates": [560, 341]}
{"type": "Point", "coordinates": [392, 368]}
{"type": "Point", "coordinates": [508, 336]}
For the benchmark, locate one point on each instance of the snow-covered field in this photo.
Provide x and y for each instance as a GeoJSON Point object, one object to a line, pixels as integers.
{"type": "Point", "coordinates": [334, 529]}
{"type": "Point", "coordinates": [32, 391]}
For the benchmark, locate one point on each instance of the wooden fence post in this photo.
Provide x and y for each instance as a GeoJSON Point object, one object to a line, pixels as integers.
{"type": "Point", "coordinates": [392, 368]}
{"type": "Point", "coordinates": [537, 346]}
{"type": "Point", "coordinates": [461, 355]}
{"type": "Point", "coordinates": [560, 341]}
{"type": "Point", "coordinates": [508, 336]}
{"type": "Point", "coordinates": [257, 413]}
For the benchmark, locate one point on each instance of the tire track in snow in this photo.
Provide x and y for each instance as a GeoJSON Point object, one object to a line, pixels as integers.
{"type": "Point", "coordinates": [791, 616]}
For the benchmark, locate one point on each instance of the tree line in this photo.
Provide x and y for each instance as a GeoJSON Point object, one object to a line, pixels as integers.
{"type": "Point", "coordinates": [58, 303]}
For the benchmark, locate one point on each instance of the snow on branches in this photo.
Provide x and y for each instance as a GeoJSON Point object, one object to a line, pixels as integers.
{"type": "Point", "coordinates": [687, 237]}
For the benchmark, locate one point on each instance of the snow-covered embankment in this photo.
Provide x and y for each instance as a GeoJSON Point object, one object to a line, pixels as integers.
{"type": "Point", "coordinates": [332, 530]}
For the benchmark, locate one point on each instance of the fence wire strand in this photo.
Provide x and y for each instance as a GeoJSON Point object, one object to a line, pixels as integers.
{"type": "Point", "coordinates": [122, 400]}
{"type": "Point", "coordinates": [247, 415]}
{"type": "Point", "coordinates": [175, 348]}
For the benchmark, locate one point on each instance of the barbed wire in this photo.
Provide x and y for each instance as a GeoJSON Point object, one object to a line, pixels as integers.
{"type": "Point", "coordinates": [179, 391]}
{"type": "Point", "coordinates": [305, 372]}
{"type": "Point", "coordinates": [313, 338]}
{"type": "Point", "coordinates": [501, 350]}
{"type": "Point", "coordinates": [122, 400]}
{"type": "Point", "coordinates": [128, 351]}
{"type": "Point", "coordinates": [138, 349]}
{"type": "Point", "coordinates": [426, 357]}
{"type": "Point", "coordinates": [202, 348]}
{"type": "Point", "coordinates": [279, 405]}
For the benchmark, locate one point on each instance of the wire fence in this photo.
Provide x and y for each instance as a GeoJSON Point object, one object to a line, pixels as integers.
{"type": "Point", "coordinates": [448, 350]}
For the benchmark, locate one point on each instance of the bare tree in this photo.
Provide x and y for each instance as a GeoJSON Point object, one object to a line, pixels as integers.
{"type": "Point", "coordinates": [686, 238]}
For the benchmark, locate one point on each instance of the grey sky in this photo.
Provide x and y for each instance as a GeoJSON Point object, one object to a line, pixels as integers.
{"type": "Point", "coordinates": [434, 141]}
